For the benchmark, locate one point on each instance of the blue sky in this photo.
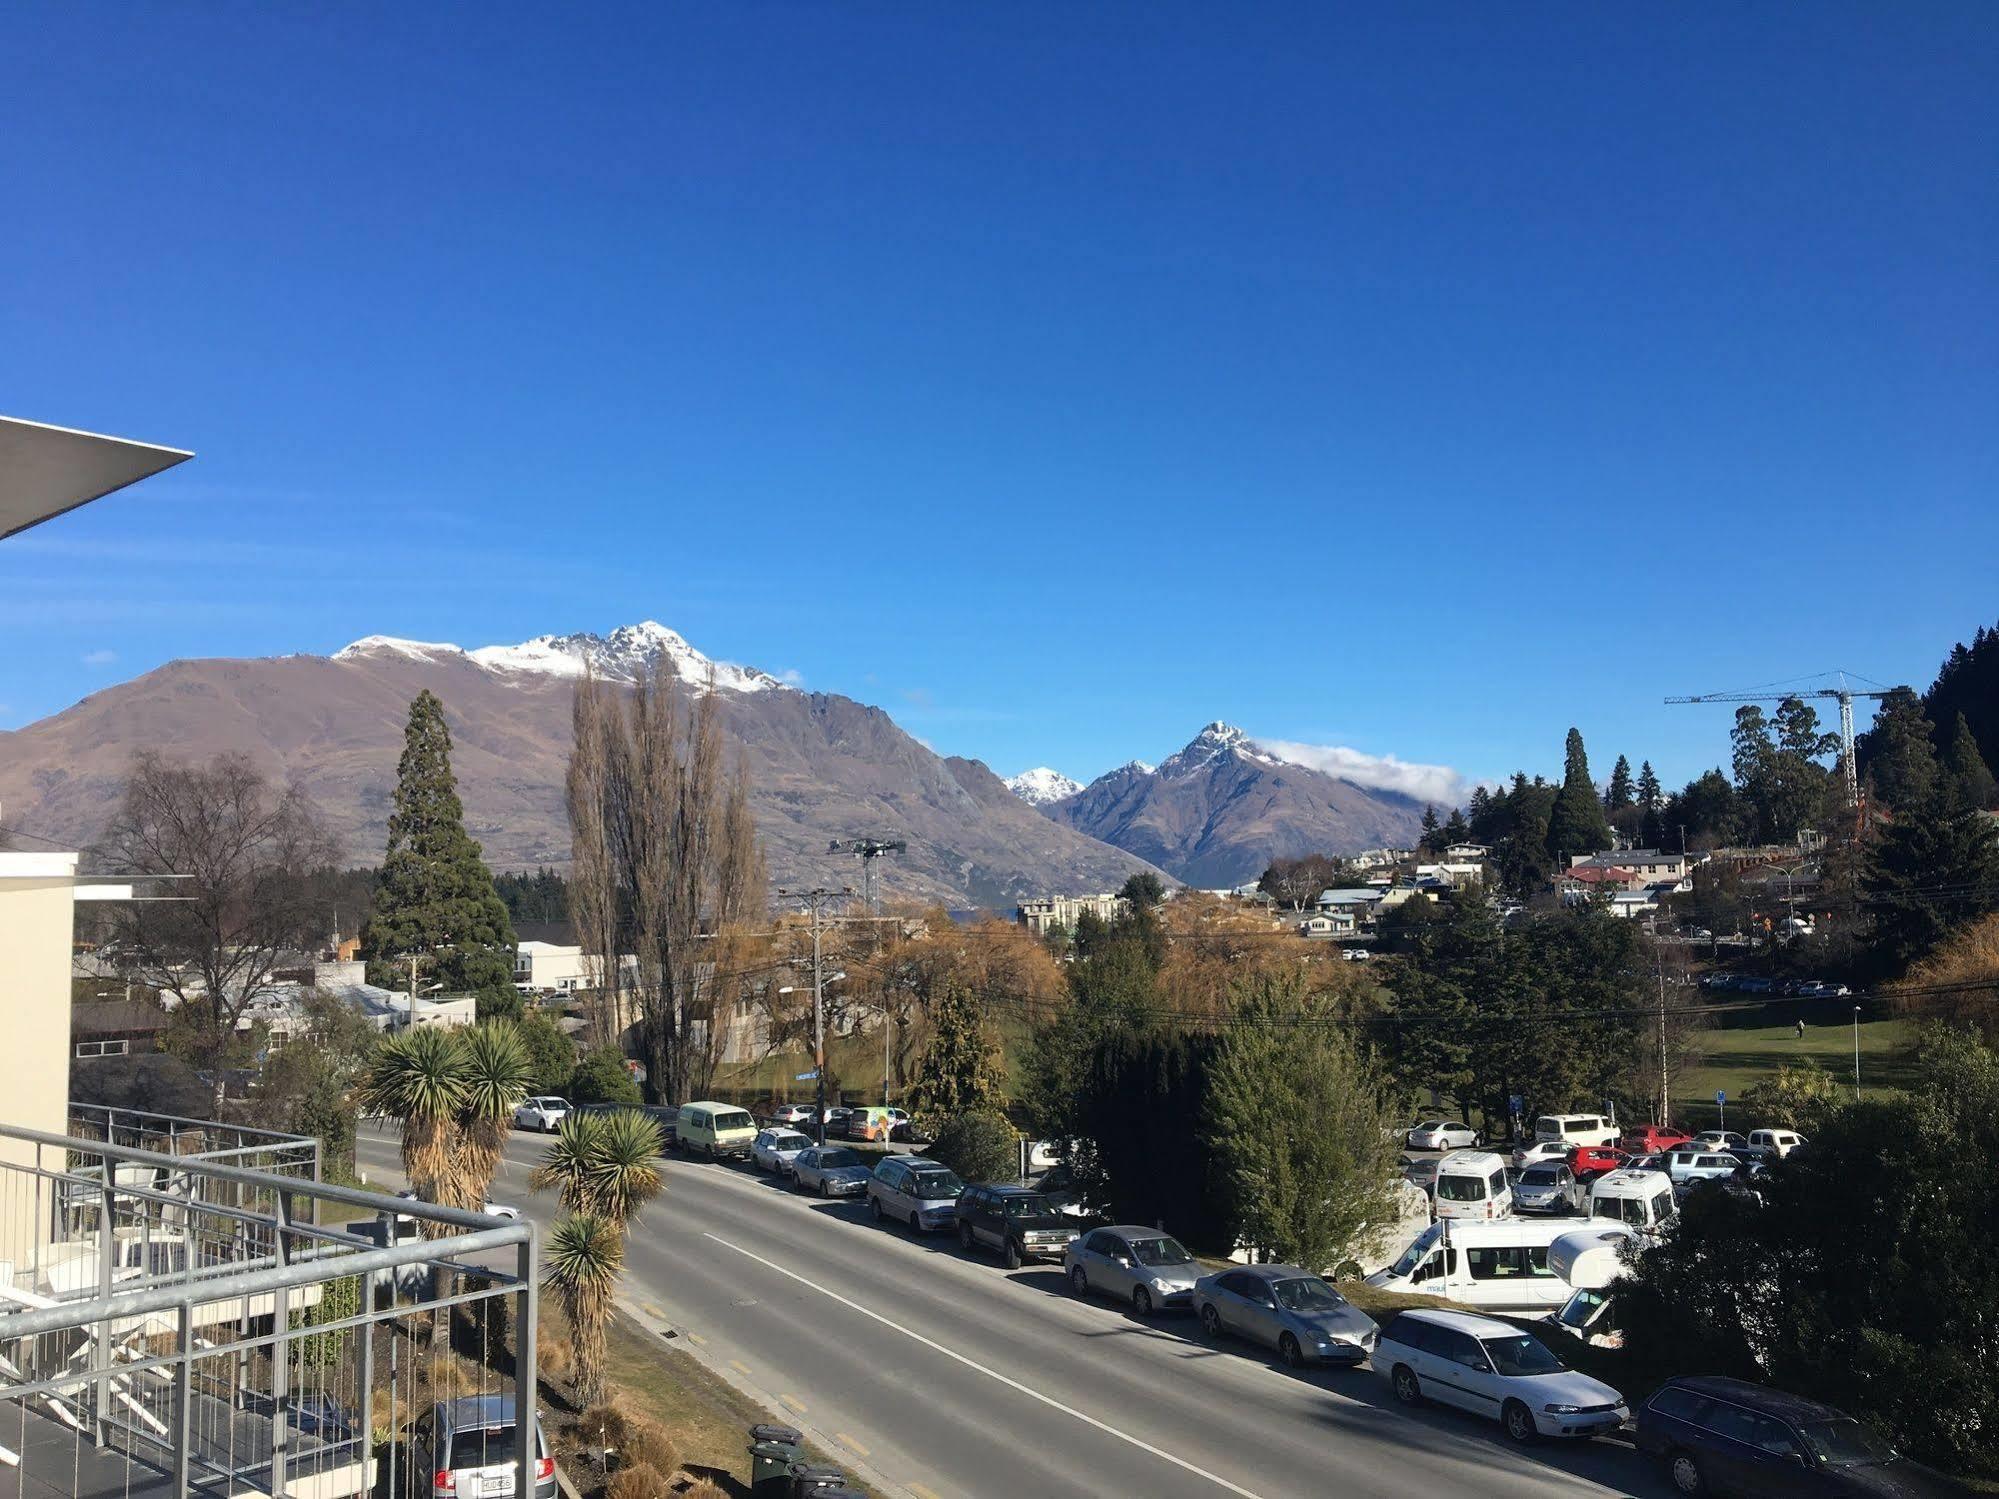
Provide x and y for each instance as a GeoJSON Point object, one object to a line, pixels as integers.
{"type": "Point", "coordinates": [1420, 379]}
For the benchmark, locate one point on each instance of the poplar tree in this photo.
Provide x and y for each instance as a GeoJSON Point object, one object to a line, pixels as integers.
{"type": "Point", "coordinates": [436, 902]}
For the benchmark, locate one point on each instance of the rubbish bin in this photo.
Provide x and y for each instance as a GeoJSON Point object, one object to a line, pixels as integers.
{"type": "Point", "coordinates": [808, 1482]}
{"type": "Point", "coordinates": [774, 1451]}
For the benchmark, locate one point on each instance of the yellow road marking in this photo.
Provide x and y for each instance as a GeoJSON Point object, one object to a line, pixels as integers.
{"type": "Point", "coordinates": [650, 1310]}
{"type": "Point", "coordinates": [921, 1492]}
{"type": "Point", "coordinates": [695, 1337]}
{"type": "Point", "coordinates": [739, 1366]}
{"type": "Point", "coordinates": [793, 1402]}
{"type": "Point", "coordinates": [850, 1444]}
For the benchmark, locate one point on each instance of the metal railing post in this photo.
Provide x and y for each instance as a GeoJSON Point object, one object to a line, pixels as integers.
{"type": "Point", "coordinates": [281, 1349]}
{"type": "Point", "coordinates": [525, 1423]}
{"type": "Point", "coordinates": [365, 1395]}
{"type": "Point", "coordinates": [183, 1397]}
{"type": "Point", "coordinates": [100, 1345]}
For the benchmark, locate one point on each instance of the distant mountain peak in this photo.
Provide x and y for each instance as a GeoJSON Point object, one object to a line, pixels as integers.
{"type": "Point", "coordinates": [1041, 785]}
{"type": "Point", "coordinates": [1211, 744]}
{"type": "Point", "coordinates": [617, 657]}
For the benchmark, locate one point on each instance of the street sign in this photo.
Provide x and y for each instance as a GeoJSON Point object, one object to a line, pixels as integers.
{"type": "Point", "coordinates": [803, 1077]}
{"type": "Point", "coordinates": [1516, 1105]}
{"type": "Point", "coordinates": [1720, 1097]}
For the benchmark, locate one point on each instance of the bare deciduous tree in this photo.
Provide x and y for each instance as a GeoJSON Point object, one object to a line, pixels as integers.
{"type": "Point", "coordinates": [247, 853]}
{"type": "Point", "coordinates": [667, 868]}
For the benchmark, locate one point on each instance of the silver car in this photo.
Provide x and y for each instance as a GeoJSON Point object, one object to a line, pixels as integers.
{"type": "Point", "coordinates": [1132, 1263]}
{"type": "Point", "coordinates": [1549, 1187]}
{"type": "Point", "coordinates": [1282, 1307]}
{"type": "Point", "coordinates": [775, 1149]}
{"type": "Point", "coordinates": [831, 1171]}
{"type": "Point", "coordinates": [909, 1189]}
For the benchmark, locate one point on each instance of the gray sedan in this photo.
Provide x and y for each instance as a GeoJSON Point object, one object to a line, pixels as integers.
{"type": "Point", "coordinates": [1549, 1187]}
{"type": "Point", "coordinates": [1140, 1265]}
{"type": "Point", "coordinates": [831, 1171]}
{"type": "Point", "coordinates": [1282, 1307]}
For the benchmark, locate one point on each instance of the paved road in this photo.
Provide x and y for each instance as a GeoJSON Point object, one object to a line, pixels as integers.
{"type": "Point", "coordinates": [947, 1376]}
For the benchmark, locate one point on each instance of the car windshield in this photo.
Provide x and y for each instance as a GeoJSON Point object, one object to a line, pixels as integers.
{"type": "Point", "coordinates": [1844, 1443]}
{"type": "Point", "coordinates": [1307, 1293]}
{"type": "Point", "coordinates": [1540, 1176]}
{"type": "Point", "coordinates": [930, 1184]}
{"type": "Point", "coordinates": [829, 1159]}
{"type": "Point", "coordinates": [1033, 1205]}
{"type": "Point", "coordinates": [1521, 1355]}
{"type": "Point", "coordinates": [1578, 1309]}
{"type": "Point", "coordinates": [734, 1119]}
{"type": "Point", "coordinates": [1160, 1251]}
{"type": "Point", "coordinates": [1461, 1188]}
{"type": "Point", "coordinates": [1413, 1255]}
{"type": "Point", "coordinates": [787, 1141]}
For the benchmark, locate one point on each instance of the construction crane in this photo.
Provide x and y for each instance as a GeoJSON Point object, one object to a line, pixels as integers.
{"type": "Point", "coordinates": [1843, 693]}
{"type": "Point", "coordinates": [867, 850]}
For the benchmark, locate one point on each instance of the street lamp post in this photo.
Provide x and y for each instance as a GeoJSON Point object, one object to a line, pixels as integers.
{"type": "Point", "coordinates": [1856, 1053]}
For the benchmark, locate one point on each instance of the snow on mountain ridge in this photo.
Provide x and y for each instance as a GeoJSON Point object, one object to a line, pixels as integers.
{"type": "Point", "coordinates": [616, 657]}
{"type": "Point", "coordinates": [1041, 785]}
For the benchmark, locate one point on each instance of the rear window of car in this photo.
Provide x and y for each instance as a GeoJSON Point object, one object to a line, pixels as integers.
{"type": "Point", "coordinates": [483, 1447]}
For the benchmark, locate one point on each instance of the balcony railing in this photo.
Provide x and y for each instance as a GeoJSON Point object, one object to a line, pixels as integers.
{"type": "Point", "coordinates": [222, 1144]}
{"type": "Point", "coordinates": [171, 1322]}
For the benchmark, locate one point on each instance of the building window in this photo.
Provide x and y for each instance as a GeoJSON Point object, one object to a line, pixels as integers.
{"type": "Point", "coordinates": [103, 1048]}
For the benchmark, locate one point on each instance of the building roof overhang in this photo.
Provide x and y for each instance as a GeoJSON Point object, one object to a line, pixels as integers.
{"type": "Point", "coordinates": [46, 470]}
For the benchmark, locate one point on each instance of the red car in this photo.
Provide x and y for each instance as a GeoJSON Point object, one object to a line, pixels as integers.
{"type": "Point", "coordinates": [1593, 1160]}
{"type": "Point", "coordinates": [1650, 1139]}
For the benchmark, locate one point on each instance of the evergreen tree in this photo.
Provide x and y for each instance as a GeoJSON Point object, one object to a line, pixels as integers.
{"type": "Point", "coordinates": [1431, 828]}
{"type": "Point", "coordinates": [1903, 765]}
{"type": "Point", "coordinates": [1934, 870]}
{"type": "Point", "coordinates": [1651, 826]}
{"type": "Point", "coordinates": [1966, 768]}
{"type": "Point", "coordinates": [1619, 793]}
{"type": "Point", "coordinates": [1576, 824]}
{"type": "Point", "coordinates": [1456, 829]}
{"type": "Point", "coordinates": [961, 1071]}
{"type": "Point", "coordinates": [436, 899]}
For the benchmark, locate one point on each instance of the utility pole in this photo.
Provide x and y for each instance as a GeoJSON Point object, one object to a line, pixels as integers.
{"type": "Point", "coordinates": [867, 850]}
{"type": "Point", "coordinates": [1665, 1087]}
{"type": "Point", "coordinates": [815, 901]}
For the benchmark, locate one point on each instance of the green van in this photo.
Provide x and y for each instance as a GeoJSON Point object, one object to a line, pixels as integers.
{"type": "Point", "coordinates": [718, 1131]}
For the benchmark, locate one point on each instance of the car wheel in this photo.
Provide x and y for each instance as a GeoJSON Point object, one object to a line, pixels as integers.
{"type": "Point", "coordinates": [915, 1224]}
{"type": "Point", "coordinates": [825, 1187]}
{"type": "Point", "coordinates": [1290, 1352]}
{"type": "Point", "coordinates": [1012, 1255]}
{"type": "Point", "coordinates": [1141, 1301]}
{"type": "Point", "coordinates": [1685, 1471]}
{"type": "Point", "coordinates": [1519, 1422]}
{"type": "Point", "coordinates": [1078, 1281]}
{"type": "Point", "coordinates": [875, 1207]}
{"type": "Point", "coordinates": [965, 1235]}
{"type": "Point", "coordinates": [1211, 1322]}
{"type": "Point", "coordinates": [1406, 1389]}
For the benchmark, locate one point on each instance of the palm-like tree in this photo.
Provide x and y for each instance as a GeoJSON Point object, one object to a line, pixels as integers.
{"type": "Point", "coordinates": [603, 1165]}
{"type": "Point", "coordinates": [581, 1264]}
{"type": "Point", "coordinates": [419, 1078]}
{"type": "Point", "coordinates": [498, 1074]}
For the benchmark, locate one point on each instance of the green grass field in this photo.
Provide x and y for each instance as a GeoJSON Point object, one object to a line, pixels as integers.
{"type": "Point", "coordinates": [1734, 1059]}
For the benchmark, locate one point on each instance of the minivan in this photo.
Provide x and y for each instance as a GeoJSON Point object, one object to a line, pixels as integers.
{"type": "Point", "coordinates": [1576, 1129]}
{"type": "Point", "coordinates": [1472, 1184]}
{"type": "Point", "coordinates": [718, 1131]}
{"type": "Point", "coordinates": [1497, 1266]}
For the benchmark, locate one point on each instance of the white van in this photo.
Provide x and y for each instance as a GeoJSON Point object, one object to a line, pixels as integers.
{"type": "Point", "coordinates": [1775, 1144]}
{"type": "Point", "coordinates": [1496, 1266]}
{"type": "Point", "coordinates": [1591, 1261]}
{"type": "Point", "coordinates": [1576, 1129]}
{"type": "Point", "coordinates": [1472, 1184]}
{"type": "Point", "coordinates": [1642, 1201]}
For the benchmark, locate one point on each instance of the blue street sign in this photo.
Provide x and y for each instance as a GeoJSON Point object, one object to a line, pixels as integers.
{"type": "Point", "coordinates": [803, 1077]}
{"type": "Point", "coordinates": [1516, 1104]}
{"type": "Point", "coordinates": [1720, 1097]}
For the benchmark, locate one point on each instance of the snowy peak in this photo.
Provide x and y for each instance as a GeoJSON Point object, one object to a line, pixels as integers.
{"type": "Point", "coordinates": [617, 657]}
{"type": "Point", "coordinates": [1213, 742]}
{"type": "Point", "coordinates": [1040, 786]}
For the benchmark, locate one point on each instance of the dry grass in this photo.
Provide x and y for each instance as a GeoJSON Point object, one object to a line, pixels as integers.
{"type": "Point", "coordinates": [639, 1481]}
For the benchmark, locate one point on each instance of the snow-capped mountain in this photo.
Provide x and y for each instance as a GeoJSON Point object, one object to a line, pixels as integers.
{"type": "Point", "coordinates": [617, 657]}
{"type": "Point", "coordinates": [1040, 786]}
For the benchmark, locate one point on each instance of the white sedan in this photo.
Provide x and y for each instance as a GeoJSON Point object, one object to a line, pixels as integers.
{"type": "Point", "coordinates": [1495, 1370]}
{"type": "Point", "coordinates": [775, 1149]}
{"type": "Point", "coordinates": [1442, 1134]}
{"type": "Point", "coordinates": [1536, 1151]}
{"type": "Point", "coordinates": [545, 1113]}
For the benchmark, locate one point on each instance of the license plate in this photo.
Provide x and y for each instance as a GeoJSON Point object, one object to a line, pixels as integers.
{"type": "Point", "coordinates": [504, 1484]}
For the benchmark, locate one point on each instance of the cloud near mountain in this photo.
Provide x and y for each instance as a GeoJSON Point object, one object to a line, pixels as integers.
{"type": "Point", "coordinates": [1426, 783]}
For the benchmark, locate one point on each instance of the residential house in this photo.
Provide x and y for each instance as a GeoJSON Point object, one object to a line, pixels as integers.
{"type": "Point", "coordinates": [1043, 915]}
{"type": "Point", "coordinates": [115, 1028]}
{"type": "Point", "coordinates": [1467, 853]}
{"type": "Point", "coordinates": [1651, 866]}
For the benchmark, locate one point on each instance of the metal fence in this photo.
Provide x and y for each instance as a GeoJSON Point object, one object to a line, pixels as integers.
{"type": "Point", "coordinates": [223, 1144]}
{"type": "Point", "coordinates": [174, 1323]}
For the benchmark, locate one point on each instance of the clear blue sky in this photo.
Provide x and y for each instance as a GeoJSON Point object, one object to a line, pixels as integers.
{"type": "Point", "coordinates": [1416, 378]}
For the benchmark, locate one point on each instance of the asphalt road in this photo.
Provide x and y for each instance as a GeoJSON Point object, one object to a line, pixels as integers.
{"type": "Point", "coordinates": [943, 1375]}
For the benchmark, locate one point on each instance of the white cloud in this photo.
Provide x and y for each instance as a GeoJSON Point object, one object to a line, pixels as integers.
{"type": "Point", "coordinates": [1427, 783]}
{"type": "Point", "coordinates": [791, 676]}
{"type": "Point", "coordinates": [99, 658]}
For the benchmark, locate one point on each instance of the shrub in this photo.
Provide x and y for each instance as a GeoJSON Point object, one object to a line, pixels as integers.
{"type": "Point", "coordinates": [601, 1077]}
{"type": "Point", "coordinates": [640, 1481]}
{"type": "Point", "coordinates": [979, 1146]}
{"type": "Point", "coordinates": [648, 1445]}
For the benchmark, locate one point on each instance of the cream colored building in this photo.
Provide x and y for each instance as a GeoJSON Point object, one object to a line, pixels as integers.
{"type": "Point", "coordinates": [1041, 916]}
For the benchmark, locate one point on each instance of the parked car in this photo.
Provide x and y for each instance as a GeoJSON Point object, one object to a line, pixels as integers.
{"type": "Point", "coordinates": [1576, 1129]}
{"type": "Point", "coordinates": [1421, 1173]}
{"type": "Point", "coordinates": [1058, 1184]}
{"type": "Point", "coordinates": [1727, 1436]}
{"type": "Point", "coordinates": [873, 1123]}
{"type": "Point", "coordinates": [468, 1447]}
{"type": "Point", "coordinates": [836, 1118]}
{"type": "Point", "coordinates": [1282, 1307]}
{"type": "Point", "coordinates": [908, 1189]}
{"type": "Point", "coordinates": [544, 1112]}
{"type": "Point", "coordinates": [1720, 1139]}
{"type": "Point", "coordinates": [1650, 1139]}
{"type": "Point", "coordinates": [831, 1171]}
{"type": "Point", "coordinates": [797, 1115]}
{"type": "Point", "coordinates": [774, 1149]}
{"type": "Point", "coordinates": [1472, 1184]}
{"type": "Point", "coordinates": [1536, 1151]}
{"type": "Point", "coordinates": [1596, 1160]}
{"type": "Point", "coordinates": [1548, 1187]}
{"type": "Point", "coordinates": [1151, 1270]}
{"type": "Point", "coordinates": [1442, 1134]}
{"type": "Point", "coordinates": [1775, 1144]}
{"type": "Point", "coordinates": [1691, 1164]}
{"type": "Point", "coordinates": [505, 1210]}
{"type": "Point", "coordinates": [719, 1131]}
{"type": "Point", "coordinates": [1492, 1369]}
{"type": "Point", "coordinates": [1017, 1221]}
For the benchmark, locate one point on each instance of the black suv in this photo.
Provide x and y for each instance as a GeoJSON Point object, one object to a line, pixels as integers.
{"type": "Point", "coordinates": [1019, 1222]}
{"type": "Point", "coordinates": [1726, 1436]}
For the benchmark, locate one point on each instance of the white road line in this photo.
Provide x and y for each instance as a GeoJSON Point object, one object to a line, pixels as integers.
{"type": "Point", "coordinates": [993, 1374]}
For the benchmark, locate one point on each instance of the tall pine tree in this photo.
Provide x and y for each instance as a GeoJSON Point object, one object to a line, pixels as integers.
{"type": "Point", "coordinates": [1651, 827]}
{"type": "Point", "coordinates": [1576, 825]}
{"type": "Point", "coordinates": [1969, 775]}
{"type": "Point", "coordinates": [1619, 792]}
{"type": "Point", "coordinates": [436, 900]}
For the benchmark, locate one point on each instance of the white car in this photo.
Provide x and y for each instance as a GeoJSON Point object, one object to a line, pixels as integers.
{"type": "Point", "coordinates": [1692, 1163]}
{"type": "Point", "coordinates": [1442, 1134]}
{"type": "Point", "coordinates": [504, 1210]}
{"type": "Point", "coordinates": [1719, 1139]}
{"type": "Point", "coordinates": [776, 1148]}
{"type": "Point", "coordinates": [1537, 1151]}
{"type": "Point", "coordinates": [1492, 1369]}
{"type": "Point", "coordinates": [1775, 1144]}
{"type": "Point", "coordinates": [544, 1113]}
